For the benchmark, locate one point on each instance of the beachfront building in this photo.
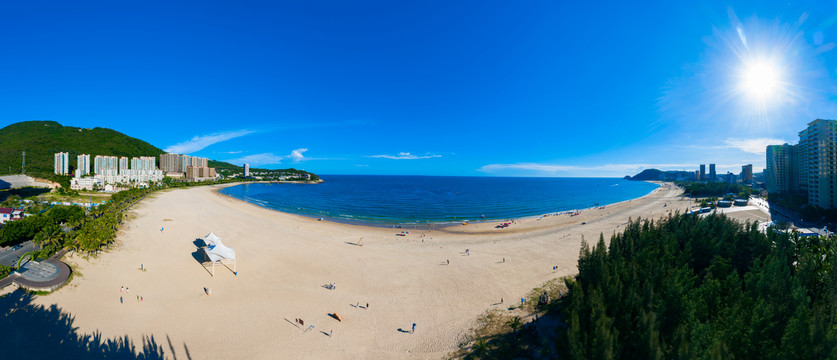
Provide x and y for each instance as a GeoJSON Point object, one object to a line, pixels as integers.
{"type": "Point", "coordinates": [246, 170]}
{"type": "Point", "coordinates": [62, 163]}
{"type": "Point", "coordinates": [777, 171]}
{"type": "Point", "coordinates": [176, 163]}
{"type": "Point", "coordinates": [200, 173]}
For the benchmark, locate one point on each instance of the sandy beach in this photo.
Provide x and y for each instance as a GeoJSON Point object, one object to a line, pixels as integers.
{"type": "Point", "coordinates": [284, 260]}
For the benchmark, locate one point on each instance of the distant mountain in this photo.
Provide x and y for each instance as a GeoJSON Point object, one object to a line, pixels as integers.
{"type": "Point", "coordinates": [654, 174]}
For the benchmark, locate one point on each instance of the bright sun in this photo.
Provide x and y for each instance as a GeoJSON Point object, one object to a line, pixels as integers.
{"type": "Point", "coordinates": [761, 79]}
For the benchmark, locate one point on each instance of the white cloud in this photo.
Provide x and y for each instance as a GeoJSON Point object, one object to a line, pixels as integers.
{"type": "Point", "coordinates": [232, 152]}
{"type": "Point", "coordinates": [296, 155]}
{"type": "Point", "coordinates": [405, 156]}
{"type": "Point", "coordinates": [199, 143]}
{"type": "Point", "coordinates": [270, 158]}
{"type": "Point", "coordinates": [753, 146]}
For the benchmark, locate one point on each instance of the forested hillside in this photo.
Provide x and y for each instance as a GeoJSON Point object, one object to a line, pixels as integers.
{"type": "Point", "coordinates": [42, 139]}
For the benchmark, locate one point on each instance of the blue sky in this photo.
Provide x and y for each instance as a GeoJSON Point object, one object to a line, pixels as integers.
{"type": "Point", "coordinates": [485, 88]}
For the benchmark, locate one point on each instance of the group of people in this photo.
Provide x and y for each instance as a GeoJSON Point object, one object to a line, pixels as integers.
{"type": "Point", "coordinates": [126, 290]}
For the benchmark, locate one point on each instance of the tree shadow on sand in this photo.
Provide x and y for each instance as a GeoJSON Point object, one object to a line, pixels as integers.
{"type": "Point", "coordinates": [47, 332]}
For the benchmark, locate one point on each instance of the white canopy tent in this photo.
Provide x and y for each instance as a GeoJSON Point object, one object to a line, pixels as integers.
{"type": "Point", "coordinates": [218, 253]}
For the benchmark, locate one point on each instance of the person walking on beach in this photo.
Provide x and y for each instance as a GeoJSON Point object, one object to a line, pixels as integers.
{"type": "Point", "coordinates": [414, 329]}
{"type": "Point", "coordinates": [448, 261]}
{"type": "Point", "coordinates": [367, 306]}
{"type": "Point", "coordinates": [120, 300]}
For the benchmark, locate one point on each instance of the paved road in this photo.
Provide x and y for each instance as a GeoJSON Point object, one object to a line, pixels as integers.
{"type": "Point", "coordinates": [9, 257]}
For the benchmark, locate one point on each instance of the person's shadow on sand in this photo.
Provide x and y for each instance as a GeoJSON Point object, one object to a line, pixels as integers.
{"type": "Point", "coordinates": [403, 331]}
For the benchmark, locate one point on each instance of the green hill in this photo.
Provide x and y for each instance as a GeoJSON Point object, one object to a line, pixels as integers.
{"type": "Point", "coordinates": [654, 174]}
{"type": "Point", "coordinates": [42, 139]}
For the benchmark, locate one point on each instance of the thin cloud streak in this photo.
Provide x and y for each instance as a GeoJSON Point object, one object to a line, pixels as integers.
{"type": "Point", "coordinates": [405, 156]}
{"type": "Point", "coordinates": [753, 146]}
{"type": "Point", "coordinates": [199, 143]}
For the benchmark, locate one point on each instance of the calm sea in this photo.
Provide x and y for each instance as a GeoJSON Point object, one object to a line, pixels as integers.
{"type": "Point", "coordinates": [385, 200]}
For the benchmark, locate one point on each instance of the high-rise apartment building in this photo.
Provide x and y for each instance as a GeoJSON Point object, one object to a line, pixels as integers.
{"type": "Point", "coordinates": [747, 174]}
{"type": "Point", "coordinates": [168, 162]}
{"type": "Point", "coordinates": [800, 164]}
{"type": "Point", "coordinates": [822, 169]}
{"type": "Point", "coordinates": [124, 166]}
{"type": "Point", "coordinates": [246, 170]}
{"type": "Point", "coordinates": [83, 164]}
{"type": "Point", "coordinates": [178, 163]}
{"type": "Point", "coordinates": [702, 172]}
{"type": "Point", "coordinates": [62, 163]}
{"type": "Point", "coordinates": [712, 175]}
{"type": "Point", "coordinates": [777, 170]}
{"type": "Point", "coordinates": [106, 165]}
{"type": "Point", "coordinates": [183, 162]}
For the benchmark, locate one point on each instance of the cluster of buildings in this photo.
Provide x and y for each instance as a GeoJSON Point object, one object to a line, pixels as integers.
{"type": "Point", "coordinates": [745, 176]}
{"type": "Point", "coordinates": [111, 171]}
{"type": "Point", "coordinates": [808, 168]}
{"type": "Point", "coordinates": [192, 168]}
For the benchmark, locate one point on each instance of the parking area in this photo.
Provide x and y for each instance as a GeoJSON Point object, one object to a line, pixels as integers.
{"type": "Point", "coordinates": [9, 256]}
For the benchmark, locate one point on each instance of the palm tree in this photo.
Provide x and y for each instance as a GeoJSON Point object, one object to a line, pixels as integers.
{"type": "Point", "coordinates": [480, 347]}
{"type": "Point", "coordinates": [514, 323]}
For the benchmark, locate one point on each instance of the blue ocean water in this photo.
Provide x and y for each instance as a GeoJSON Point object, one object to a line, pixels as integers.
{"type": "Point", "coordinates": [385, 200]}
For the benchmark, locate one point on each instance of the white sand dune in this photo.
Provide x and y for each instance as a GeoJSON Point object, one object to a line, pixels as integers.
{"type": "Point", "coordinates": [283, 261]}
